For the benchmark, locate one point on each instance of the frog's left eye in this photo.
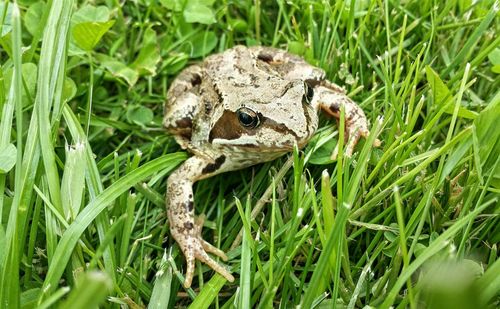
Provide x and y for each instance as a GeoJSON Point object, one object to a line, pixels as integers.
{"type": "Point", "coordinates": [308, 94]}
{"type": "Point", "coordinates": [248, 118]}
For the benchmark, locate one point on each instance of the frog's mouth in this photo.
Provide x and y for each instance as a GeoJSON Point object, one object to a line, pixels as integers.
{"type": "Point", "coordinates": [253, 147]}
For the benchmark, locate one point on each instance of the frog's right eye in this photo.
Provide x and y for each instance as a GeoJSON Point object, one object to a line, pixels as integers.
{"type": "Point", "coordinates": [248, 118]}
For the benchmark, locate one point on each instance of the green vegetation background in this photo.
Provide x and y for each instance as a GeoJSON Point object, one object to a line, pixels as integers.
{"type": "Point", "coordinates": [84, 159]}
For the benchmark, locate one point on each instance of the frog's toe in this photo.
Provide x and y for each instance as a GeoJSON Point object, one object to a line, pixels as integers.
{"type": "Point", "coordinates": [197, 248]}
{"type": "Point", "coordinates": [189, 271]}
{"type": "Point", "coordinates": [353, 134]}
{"type": "Point", "coordinates": [353, 139]}
{"type": "Point", "coordinates": [214, 250]}
{"type": "Point", "coordinates": [203, 256]}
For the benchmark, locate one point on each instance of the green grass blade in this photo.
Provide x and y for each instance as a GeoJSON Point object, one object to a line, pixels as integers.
{"type": "Point", "coordinates": [334, 240]}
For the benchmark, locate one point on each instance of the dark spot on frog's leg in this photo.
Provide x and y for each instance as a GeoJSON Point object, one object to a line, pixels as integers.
{"type": "Point", "coordinates": [313, 82]}
{"type": "Point", "coordinates": [265, 57]}
{"type": "Point", "coordinates": [218, 92]}
{"type": "Point", "coordinates": [334, 108]}
{"type": "Point", "coordinates": [190, 206]}
{"type": "Point", "coordinates": [195, 79]}
{"type": "Point", "coordinates": [188, 225]}
{"type": "Point", "coordinates": [185, 122]}
{"type": "Point", "coordinates": [208, 106]}
{"type": "Point", "coordinates": [238, 68]}
{"type": "Point", "coordinates": [212, 167]}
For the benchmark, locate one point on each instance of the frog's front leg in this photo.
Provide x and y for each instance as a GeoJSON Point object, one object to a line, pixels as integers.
{"type": "Point", "coordinates": [331, 98]}
{"type": "Point", "coordinates": [183, 227]}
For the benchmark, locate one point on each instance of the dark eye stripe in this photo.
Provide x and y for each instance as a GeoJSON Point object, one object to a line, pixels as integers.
{"type": "Point", "coordinates": [228, 127]}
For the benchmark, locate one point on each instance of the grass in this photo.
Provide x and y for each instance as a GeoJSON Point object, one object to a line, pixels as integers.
{"type": "Point", "coordinates": [84, 159]}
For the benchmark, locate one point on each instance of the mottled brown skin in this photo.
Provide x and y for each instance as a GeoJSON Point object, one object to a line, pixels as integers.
{"type": "Point", "coordinates": [238, 108]}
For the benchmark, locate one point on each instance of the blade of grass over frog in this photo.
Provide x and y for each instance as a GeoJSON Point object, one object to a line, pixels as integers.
{"type": "Point", "coordinates": [334, 239]}
{"type": "Point", "coordinates": [95, 207]}
{"type": "Point", "coordinates": [438, 244]}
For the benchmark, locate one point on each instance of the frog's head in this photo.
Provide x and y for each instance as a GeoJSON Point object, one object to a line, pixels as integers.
{"type": "Point", "coordinates": [270, 116]}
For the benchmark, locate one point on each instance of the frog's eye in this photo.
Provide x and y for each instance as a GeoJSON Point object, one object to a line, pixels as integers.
{"type": "Point", "coordinates": [308, 94]}
{"type": "Point", "coordinates": [248, 118]}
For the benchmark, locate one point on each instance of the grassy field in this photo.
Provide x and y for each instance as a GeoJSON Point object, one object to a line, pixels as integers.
{"type": "Point", "coordinates": [84, 159]}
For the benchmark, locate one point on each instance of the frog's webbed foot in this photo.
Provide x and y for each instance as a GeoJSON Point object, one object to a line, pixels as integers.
{"type": "Point", "coordinates": [330, 98]}
{"type": "Point", "coordinates": [352, 135]}
{"type": "Point", "coordinates": [194, 247]}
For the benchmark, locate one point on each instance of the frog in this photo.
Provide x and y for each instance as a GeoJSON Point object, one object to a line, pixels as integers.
{"type": "Point", "coordinates": [238, 108]}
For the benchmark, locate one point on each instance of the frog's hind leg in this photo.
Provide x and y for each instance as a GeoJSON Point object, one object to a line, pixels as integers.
{"type": "Point", "coordinates": [290, 66]}
{"type": "Point", "coordinates": [180, 210]}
